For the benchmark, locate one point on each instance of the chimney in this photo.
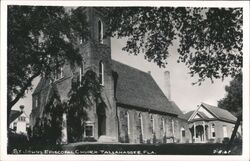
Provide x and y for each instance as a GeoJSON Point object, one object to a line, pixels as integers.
{"type": "Point", "coordinates": [21, 107]}
{"type": "Point", "coordinates": [167, 85]}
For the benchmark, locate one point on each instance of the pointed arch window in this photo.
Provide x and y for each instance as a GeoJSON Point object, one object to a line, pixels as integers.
{"type": "Point", "coordinates": [163, 126]}
{"type": "Point", "coordinates": [183, 132]}
{"type": "Point", "coordinates": [128, 122]}
{"type": "Point", "coordinates": [152, 123]}
{"type": "Point", "coordinates": [173, 128]}
{"type": "Point", "coordinates": [101, 73]}
{"type": "Point", "coordinates": [141, 124]}
{"type": "Point", "coordinates": [100, 31]}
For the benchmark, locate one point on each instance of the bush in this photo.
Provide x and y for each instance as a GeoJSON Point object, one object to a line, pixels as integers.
{"type": "Point", "coordinates": [164, 139]}
{"type": "Point", "coordinates": [17, 141]}
{"type": "Point", "coordinates": [89, 139]}
{"type": "Point", "coordinates": [211, 140]}
{"type": "Point", "coordinates": [218, 140]}
{"type": "Point", "coordinates": [225, 140]}
{"type": "Point", "coordinates": [154, 138]}
{"type": "Point", "coordinates": [141, 139]}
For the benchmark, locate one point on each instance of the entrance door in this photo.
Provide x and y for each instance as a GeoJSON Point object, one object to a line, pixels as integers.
{"type": "Point", "coordinates": [101, 114]}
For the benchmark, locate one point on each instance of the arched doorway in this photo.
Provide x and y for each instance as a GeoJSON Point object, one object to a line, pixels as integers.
{"type": "Point", "coordinates": [101, 116]}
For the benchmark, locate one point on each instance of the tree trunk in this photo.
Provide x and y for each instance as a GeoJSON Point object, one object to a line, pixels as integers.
{"type": "Point", "coordinates": [239, 119]}
{"type": "Point", "coordinates": [8, 116]}
{"type": "Point", "coordinates": [11, 102]}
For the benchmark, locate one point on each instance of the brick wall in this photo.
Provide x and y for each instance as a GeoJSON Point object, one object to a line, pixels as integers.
{"type": "Point", "coordinates": [147, 135]}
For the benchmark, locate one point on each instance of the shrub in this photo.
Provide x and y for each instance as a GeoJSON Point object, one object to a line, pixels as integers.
{"type": "Point", "coordinates": [89, 139]}
{"type": "Point", "coordinates": [211, 140]}
{"type": "Point", "coordinates": [164, 139]}
{"type": "Point", "coordinates": [154, 138]}
{"type": "Point", "coordinates": [141, 139]}
{"type": "Point", "coordinates": [225, 140]}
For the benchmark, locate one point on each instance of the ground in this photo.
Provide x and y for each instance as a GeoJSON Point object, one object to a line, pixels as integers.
{"type": "Point", "coordinates": [18, 144]}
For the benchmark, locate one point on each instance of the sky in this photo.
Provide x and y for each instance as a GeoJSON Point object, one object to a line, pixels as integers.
{"type": "Point", "coordinates": [183, 93]}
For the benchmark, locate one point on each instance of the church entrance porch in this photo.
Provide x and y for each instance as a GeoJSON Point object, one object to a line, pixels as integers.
{"type": "Point", "coordinates": [199, 132]}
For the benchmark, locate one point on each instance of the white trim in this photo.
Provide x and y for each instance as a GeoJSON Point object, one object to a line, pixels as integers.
{"type": "Point", "coordinates": [194, 113]}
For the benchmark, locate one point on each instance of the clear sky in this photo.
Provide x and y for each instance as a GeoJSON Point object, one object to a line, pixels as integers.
{"type": "Point", "coordinates": [185, 95]}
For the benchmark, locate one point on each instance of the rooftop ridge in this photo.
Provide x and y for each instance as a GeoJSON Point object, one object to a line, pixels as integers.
{"type": "Point", "coordinates": [131, 67]}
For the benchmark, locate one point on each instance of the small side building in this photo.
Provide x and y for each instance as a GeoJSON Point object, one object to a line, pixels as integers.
{"type": "Point", "coordinates": [19, 121]}
{"type": "Point", "coordinates": [210, 124]}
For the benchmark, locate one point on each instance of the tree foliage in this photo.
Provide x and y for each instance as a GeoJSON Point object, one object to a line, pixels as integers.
{"type": "Point", "coordinates": [48, 128]}
{"type": "Point", "coordinates": [233, 99]}
{"type": "Point", "coordinates": [82, 96]}
{"type": "Point", "coordinates": [210, 39]}
{"type": "Point", "coordinates": [40, 40]}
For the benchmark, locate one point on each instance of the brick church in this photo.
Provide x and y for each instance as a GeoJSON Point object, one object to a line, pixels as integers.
{"type": "Point", "coordinates": [134, 109]}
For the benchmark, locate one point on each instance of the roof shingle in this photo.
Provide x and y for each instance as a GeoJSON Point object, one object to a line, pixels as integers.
{"type": "Point", "coordinates": [188, 114]}
{"type": "Point", "coordinates": [138, 88]}
{"type": "Point", "coordinates": [178, 110]}
{"type": "Point", "coordinates": [220, 113]}
{"type": "Point", "coordinates": [14, 114]}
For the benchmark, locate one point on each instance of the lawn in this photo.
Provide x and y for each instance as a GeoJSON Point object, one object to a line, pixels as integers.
{"type": "Point", "coordinates": [18, 144]}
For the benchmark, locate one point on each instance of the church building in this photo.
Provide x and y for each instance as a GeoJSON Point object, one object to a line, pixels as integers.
{"type": "Point", "coordinates": [133, 108]}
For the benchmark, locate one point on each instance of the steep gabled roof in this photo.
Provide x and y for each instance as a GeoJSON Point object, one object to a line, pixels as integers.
{"type": "Point", "coordinates": [42, 83]}
{"type": "Point", "coordinates": [178, 110]}
{"type": "Point", "coordinates": [188, 114]}
{"type": "Point", "coordinates": [219, 113]}
{"type": "Point", "coordinates": [14, 114]}
{"type": "Point", "coordinates": [138, 88]}
{"type": "Point", "coordinates": [202, 115]}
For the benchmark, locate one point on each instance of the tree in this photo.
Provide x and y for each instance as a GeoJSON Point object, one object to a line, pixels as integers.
{"type": "Point", "coordinates": [40, 40]}
{"type": "Point", "coordinates": [233, 99]}
{"type": "Point", "coordinates": [233, 103]}
{"type": "Point", "coordinates": [210, 39]}
{"type": "Point", "coordinates": [48, 128]}
{"type": "Point", "coordinates": [82, 96]}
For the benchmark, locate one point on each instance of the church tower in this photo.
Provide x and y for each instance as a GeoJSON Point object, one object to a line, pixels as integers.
{"type": "Point", "coordinates": [96, 53]}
